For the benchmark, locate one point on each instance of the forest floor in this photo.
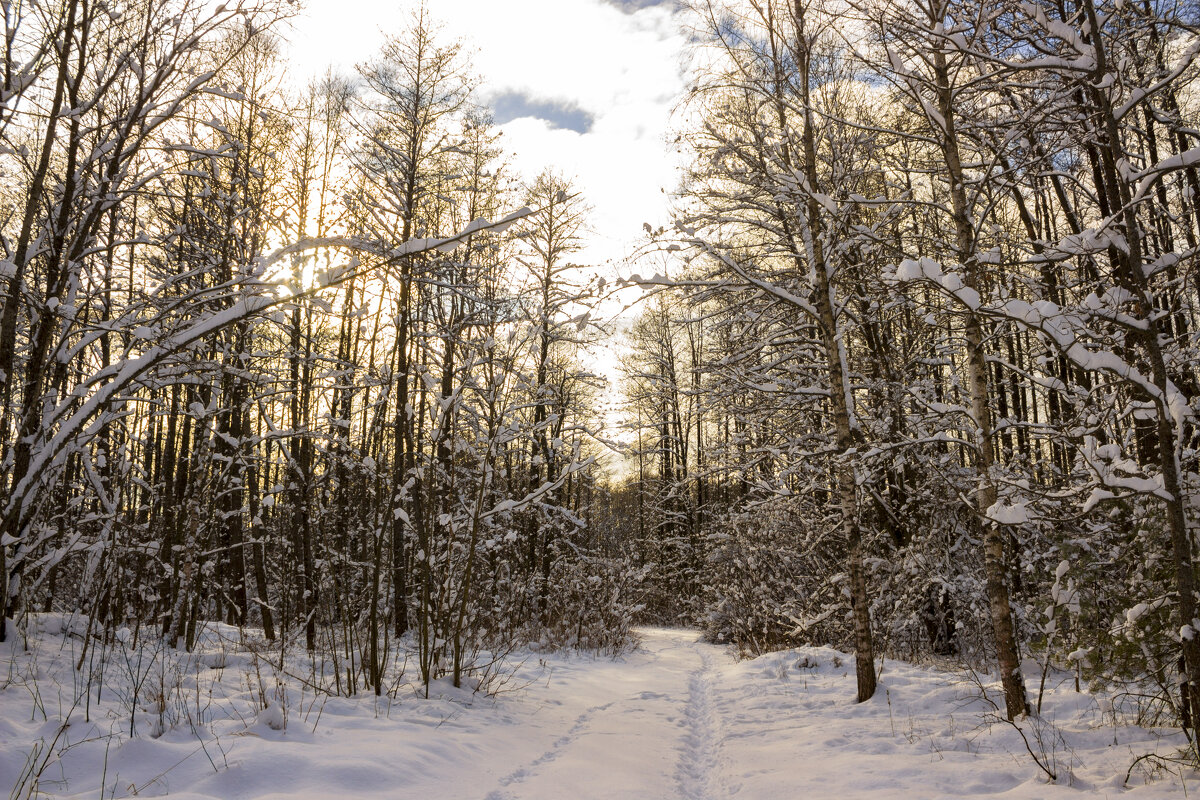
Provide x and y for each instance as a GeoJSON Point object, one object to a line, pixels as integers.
{"type": "Point", "coordinates": [676, 718]}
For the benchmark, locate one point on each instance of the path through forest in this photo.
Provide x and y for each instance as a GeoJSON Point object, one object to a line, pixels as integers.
{"type": "Point", "coordinates": [677, 718]}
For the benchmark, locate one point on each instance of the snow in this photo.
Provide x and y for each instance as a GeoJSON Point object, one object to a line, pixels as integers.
{"type": "Point", "coordinates": [1133, 614]}
{"type": "Point", "coordinates": [675, 718]}
{"type": "Point", "coordinates": [1006, 514]}
{"type": "Point", "coordinates": [912, 270]}
{"type": "Point", "coordinates": [1096, 497]}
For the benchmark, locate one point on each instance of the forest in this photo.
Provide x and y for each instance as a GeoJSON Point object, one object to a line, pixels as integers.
{"type": "Point", "coordinates": [912, 372]}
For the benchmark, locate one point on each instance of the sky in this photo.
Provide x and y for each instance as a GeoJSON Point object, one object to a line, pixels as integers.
{"type": "Point", "coordinates": [584, 86]}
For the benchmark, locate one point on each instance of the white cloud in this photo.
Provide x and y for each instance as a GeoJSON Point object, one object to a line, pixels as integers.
{"type": "Point", "coordinates": [621, 67]}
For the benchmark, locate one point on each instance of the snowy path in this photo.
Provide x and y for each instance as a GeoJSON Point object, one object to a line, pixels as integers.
{"type": "Point", "coordinates": [653, 725]}
{"type": "Point", "coordinates": [698, 762]}
{"type": "Point", "coordinates": [676, 720]}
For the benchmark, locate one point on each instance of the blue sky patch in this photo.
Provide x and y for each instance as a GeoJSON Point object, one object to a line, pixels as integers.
{"type": "Point", "coordinates": [513, 104]}
{"type": "Point", "coordinates": [629, 6]}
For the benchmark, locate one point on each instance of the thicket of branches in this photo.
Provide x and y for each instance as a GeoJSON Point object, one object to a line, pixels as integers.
{"type": "Point", "coordinates": [927, 379]}
{"type": "Point", "coordinates": [923, 378]}
{"type": "Point", "coordinates": [265, 360]}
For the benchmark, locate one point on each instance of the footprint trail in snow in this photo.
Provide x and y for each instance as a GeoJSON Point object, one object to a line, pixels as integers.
{"type": "Point", "coordinates": [701, 743]}
{"type": "Point", "coordinates": [656, 726]}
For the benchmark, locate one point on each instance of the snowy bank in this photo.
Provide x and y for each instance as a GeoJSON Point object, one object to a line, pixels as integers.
{"type": "Point", "coordinates": [677, 718]}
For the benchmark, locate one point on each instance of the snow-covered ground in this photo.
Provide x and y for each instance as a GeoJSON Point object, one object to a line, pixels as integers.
{"type": "Point", "coordinates": [675, 719]}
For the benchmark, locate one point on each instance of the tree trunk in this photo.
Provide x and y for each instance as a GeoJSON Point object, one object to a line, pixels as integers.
{"type": "Point", "coordinates": [999, 606]}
